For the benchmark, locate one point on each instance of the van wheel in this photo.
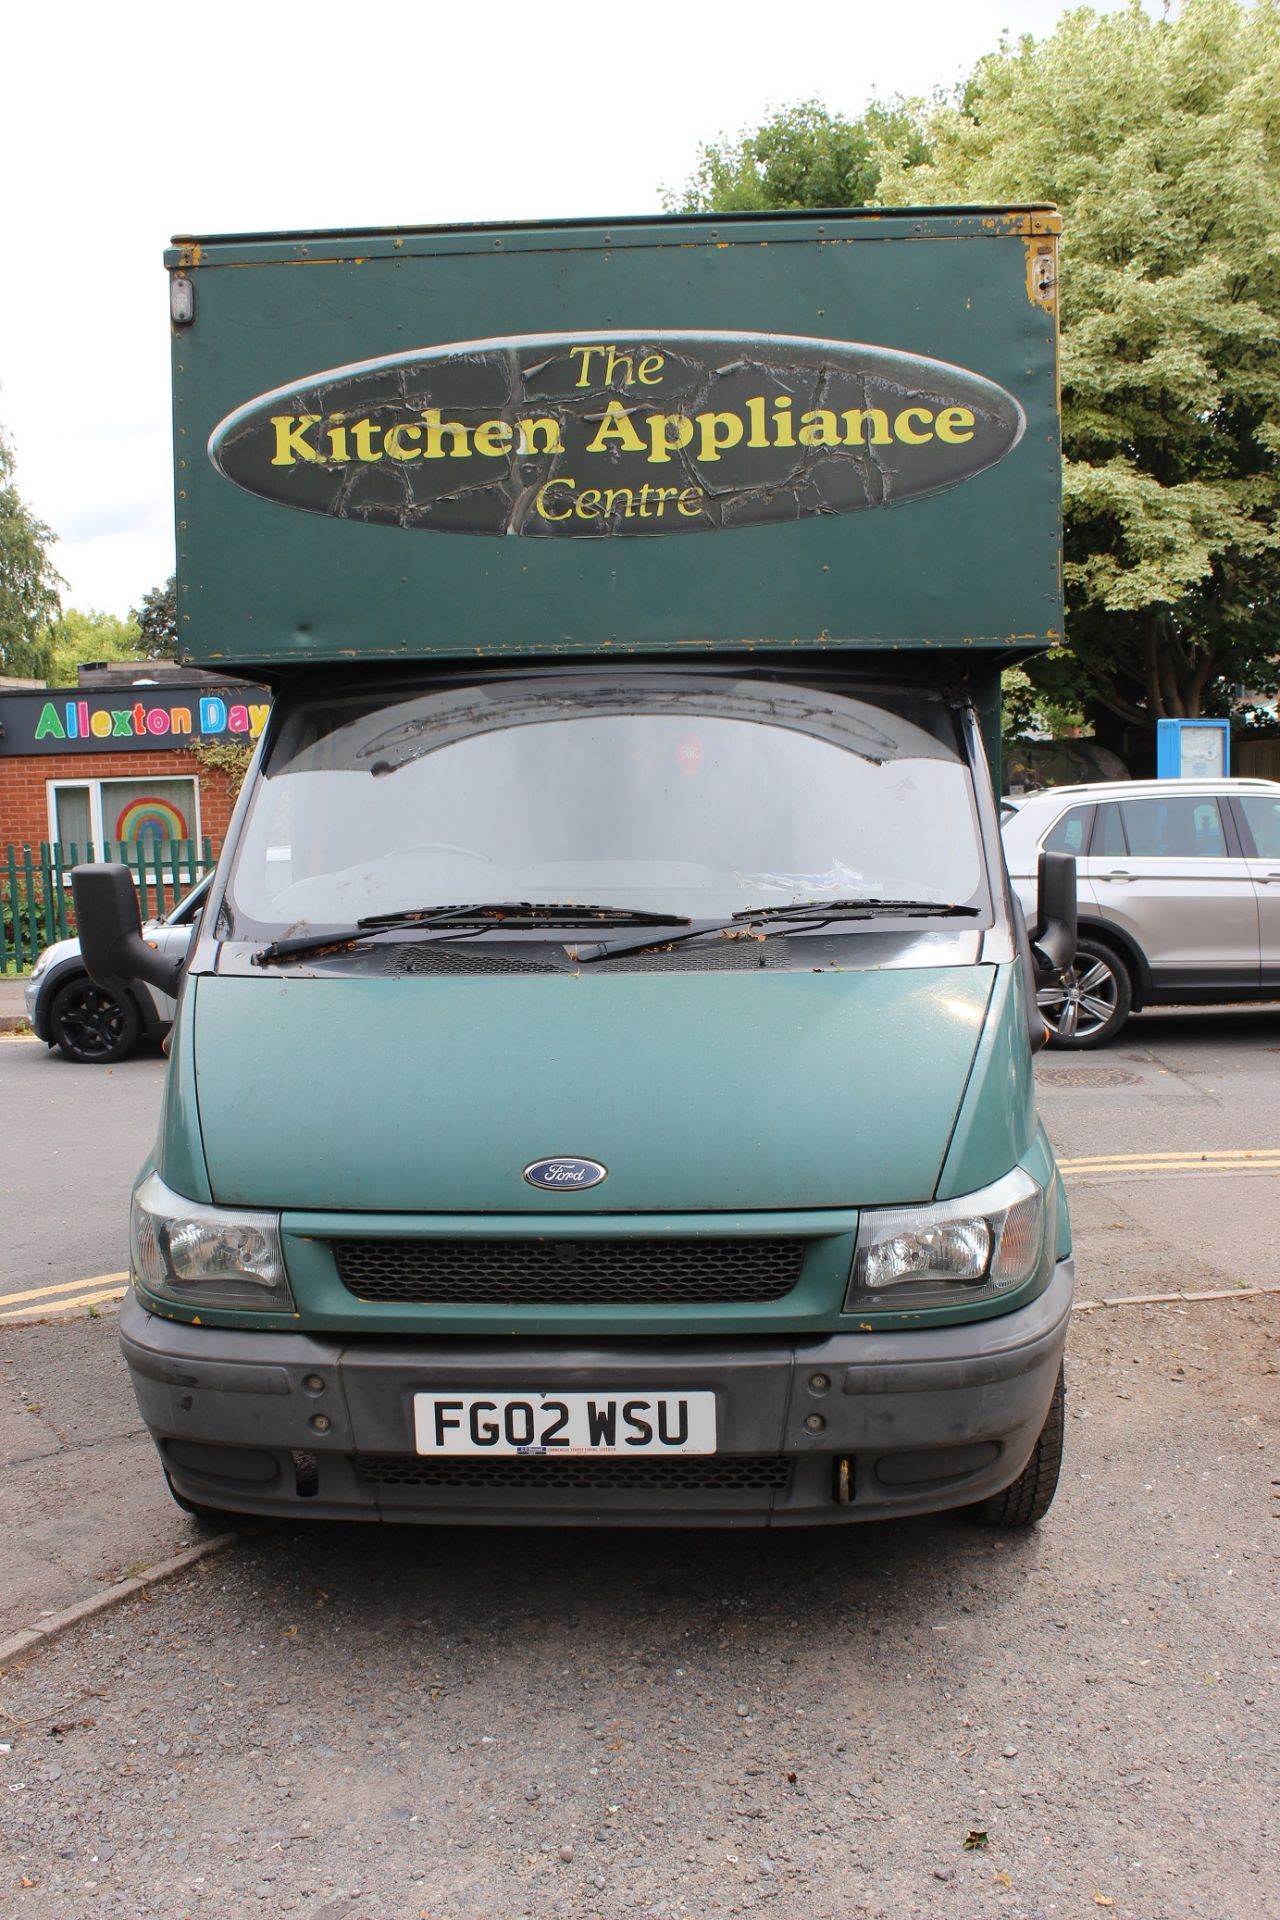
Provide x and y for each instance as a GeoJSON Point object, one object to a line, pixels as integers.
{"type": "Point", "coordinates": [1092, 1001]}
{"type": "Point", "coordinates": [1031, 1495]}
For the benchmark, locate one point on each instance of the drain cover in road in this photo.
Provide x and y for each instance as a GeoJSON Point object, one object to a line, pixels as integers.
{"type": "Point", "coordinates": [1088, 1077]}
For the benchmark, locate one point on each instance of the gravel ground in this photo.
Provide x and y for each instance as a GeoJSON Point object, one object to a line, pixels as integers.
{"type": "Point", "coordinates": [906, 1720]}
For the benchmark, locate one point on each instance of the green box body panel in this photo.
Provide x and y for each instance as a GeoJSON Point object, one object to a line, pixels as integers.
{"type": "Point", "coordinates": [783, 433]}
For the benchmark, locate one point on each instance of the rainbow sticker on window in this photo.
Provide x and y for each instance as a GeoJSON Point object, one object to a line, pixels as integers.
{"type": "Point", "coordinates": [151, 819]}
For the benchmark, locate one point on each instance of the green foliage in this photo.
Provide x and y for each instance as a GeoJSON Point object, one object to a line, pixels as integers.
{"type": "Point", "coordinates": [157, 619]}
{"type": "Point", "coordinates": [803, 156]}
{"type": "Point", "coordinates": [231, 757]}
{"type": "Point", "coordinates": [29, 581]}
{"type": "Point", "coordinates": [1029, 711]}
{"type": "Point", "coordinates": [78, 639]}
{"type": "Point", "coordinates": [1160, 142]}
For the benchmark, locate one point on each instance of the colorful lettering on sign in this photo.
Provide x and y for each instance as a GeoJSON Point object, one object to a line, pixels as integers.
{"type": "Point", "coordinates": [84, 725]}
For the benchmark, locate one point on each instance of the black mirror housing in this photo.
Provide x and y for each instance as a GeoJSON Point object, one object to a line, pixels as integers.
{"type": "Point", "coordinates": [1054, 940]}
{"type": "Point", "coordinates": [110, 929]}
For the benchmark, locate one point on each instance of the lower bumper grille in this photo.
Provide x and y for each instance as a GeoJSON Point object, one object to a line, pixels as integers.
{"type": "Point", "coordinates": [537, 1478]}
{"type": "Point", "coordinates": [569, 1272]}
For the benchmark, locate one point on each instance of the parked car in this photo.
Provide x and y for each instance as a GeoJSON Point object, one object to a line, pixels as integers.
{"type": "Point", "coordinates": [1179, 895]}
{"type": "Point", "coordinates": [95, 1028]}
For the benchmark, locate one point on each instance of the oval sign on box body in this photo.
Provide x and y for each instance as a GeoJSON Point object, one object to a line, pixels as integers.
{"type": "Point", "coordinates": [572, 435]}
{"type": "Point", "coordinates": [565, 1173]}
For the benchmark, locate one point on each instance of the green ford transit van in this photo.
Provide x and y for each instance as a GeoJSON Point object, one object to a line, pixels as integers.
{"type": "Point", "coordinates": [601, 1086]}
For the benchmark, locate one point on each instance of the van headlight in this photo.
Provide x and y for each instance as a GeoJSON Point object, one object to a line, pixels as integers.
{"type": "Point", "coordinates": [201, 1256]}
{"type": "Point", "coordinates": [974, 1248]}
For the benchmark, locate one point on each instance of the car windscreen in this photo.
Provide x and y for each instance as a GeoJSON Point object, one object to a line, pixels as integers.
{"type": "Point", "coordinates": [701, 796]}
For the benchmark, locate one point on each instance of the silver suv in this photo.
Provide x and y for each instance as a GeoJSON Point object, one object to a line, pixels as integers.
{"type": "Point", "coordinates": [1179, 895]}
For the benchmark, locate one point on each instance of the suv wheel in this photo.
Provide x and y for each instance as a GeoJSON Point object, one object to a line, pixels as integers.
{"type": "Point", "coordinates": [1092, 1001]}
{"type": "Point", "coordinates": [93, 1027]}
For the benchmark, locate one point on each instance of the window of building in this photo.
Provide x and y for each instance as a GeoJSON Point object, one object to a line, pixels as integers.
{"type": "Point", "coordinates": [146, 813]}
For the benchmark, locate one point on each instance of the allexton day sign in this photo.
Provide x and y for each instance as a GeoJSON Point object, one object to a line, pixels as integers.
{"type": "Point", "coordinates": [124, 719]}
{"type": "Point", "coordinates": [631, 434]}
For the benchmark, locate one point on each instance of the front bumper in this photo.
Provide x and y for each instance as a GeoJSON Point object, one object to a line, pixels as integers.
{"type": "Point", "coordinates": [914, 1422]}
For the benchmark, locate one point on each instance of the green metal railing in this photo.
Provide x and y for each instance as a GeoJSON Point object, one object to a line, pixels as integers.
{"type": "Point", "coordinates": [36, 906]}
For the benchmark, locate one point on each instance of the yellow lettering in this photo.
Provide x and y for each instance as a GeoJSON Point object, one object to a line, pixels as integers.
{"type": "Point", "coordinates": [615, 426]}
{"type": "Point", "coordinates": [690, 502]}
{"type": "Point", "coordinates": [905, 431]}
{"type": "Point", "coordinates": [586, 353]}
{"type": "Point", "coordinates": [755, 413]}
{"type": "Point", "coordinates": [257, 719]}
{"type": "Point", "coordinates": [951, 424]}
{"type": "Point", "coordinates": [394, 438]}
{"type": "Point", "coordinates": [866, 427]}
{"type": "Point", "coordinates": [180, 719]}
{"type": "Point", "coordinates": [493, 437]}
{"type": "Point", "coordinates": [362, 433]}
{"type": "Point", "coordinates": [338, 453]}
{"type": "Point", "coordinates": [717, 431]}
{"type": "Point", "coordinates": [661, 445]}
{"type": "Point", "coordinates": [620, 493]}
{"type": "Point", "coordinates": [612, 361]}
{"type": "Point", "coordinates": [436, 430]}
{"type": "Point", "coordinates": [662, 495]}
{"type": "Point", "coordinates": [527, 432]}
{"type": "Point", "coordinates": [290, 445]}
{"type": "Point", "coordinates": [587, 504]}
{"type": "Point", "coordinates": [100, 723]}
{"type": "Point", "coordinates": [650, 369]}
{"type": "Point", "coordinates": [819, 429]}
{"type": "Point", "coordinates": [782, 434]}
{"type": "Point", "coordinates": [540, 499]}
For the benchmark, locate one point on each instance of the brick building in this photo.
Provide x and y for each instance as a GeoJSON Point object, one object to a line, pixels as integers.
{"type": "Point", "coordinates": [122, 758]}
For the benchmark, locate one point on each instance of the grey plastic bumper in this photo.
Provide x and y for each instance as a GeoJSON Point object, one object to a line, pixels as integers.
{"type": "Point", "coordinates": [297, 1425]}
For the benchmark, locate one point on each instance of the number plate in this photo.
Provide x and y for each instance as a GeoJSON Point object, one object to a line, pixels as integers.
{"type": "Point", "coordinates": [626, 1421]}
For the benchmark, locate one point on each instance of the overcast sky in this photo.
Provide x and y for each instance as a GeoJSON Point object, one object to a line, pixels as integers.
{"type": "Point", "coordinates": [126, 124]}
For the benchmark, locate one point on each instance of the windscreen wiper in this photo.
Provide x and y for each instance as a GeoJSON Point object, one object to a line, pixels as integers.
{"type": "Point", "coordinates": [475, 917]}
{"type": "Point", "coordinates": [805, 913]}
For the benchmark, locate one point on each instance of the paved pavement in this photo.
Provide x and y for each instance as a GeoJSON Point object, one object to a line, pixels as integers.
{"type": "Point", "coordinates": [350, 1724]}
{"type": "Point", "coordinates": [13, 1012]}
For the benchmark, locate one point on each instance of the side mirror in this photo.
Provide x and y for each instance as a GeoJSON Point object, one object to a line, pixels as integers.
{"type": "Point", "coordinates": [1054, 939]}
{"type": "Point", "coordinates": [110, 928]}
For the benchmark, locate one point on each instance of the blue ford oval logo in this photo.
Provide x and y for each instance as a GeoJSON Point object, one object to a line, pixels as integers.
{"type": "Point", "coordinates": [565, 1173]}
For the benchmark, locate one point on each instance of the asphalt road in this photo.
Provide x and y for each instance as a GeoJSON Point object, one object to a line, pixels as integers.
{"type": "Point", "coordinates": [913, 1719]}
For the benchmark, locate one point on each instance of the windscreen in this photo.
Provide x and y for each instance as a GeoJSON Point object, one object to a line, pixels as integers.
{"type": "Point", "coordinates": [699, 796]}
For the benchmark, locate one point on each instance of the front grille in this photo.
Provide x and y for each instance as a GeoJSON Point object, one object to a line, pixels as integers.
{"type": "Point", "coordinates": [540, 1477]}
{"type": "Point", "coordinates": [566, 1272]}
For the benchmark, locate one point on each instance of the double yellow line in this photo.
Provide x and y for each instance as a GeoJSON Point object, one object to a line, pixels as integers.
{"type": "Point", "coordinates": [37, 1301]}
{"type": "Point", "coordinates": [1100, 1166]}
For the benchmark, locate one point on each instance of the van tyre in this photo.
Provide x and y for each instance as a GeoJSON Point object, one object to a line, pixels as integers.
{"type": "Point", "coordinates": [1093, 1000]}
{"type": "Point", "coordinates": [1031, 1495]}
{"type": "Point", "coordinates": [91, 1027]}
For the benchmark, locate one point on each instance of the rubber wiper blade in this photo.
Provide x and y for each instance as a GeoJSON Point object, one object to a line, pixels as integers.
{"type": "Point", "coordinates": [479, 917]}
{"type": "Point", "coordinates": [535, 912]}
{"type": "Point", "coordinates": [850, 909]}
{"type": "Point", "coordinates": [809, 913]}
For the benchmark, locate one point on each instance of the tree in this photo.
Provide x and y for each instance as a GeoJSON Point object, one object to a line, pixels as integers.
{"type": "Point", "coordinates": [29, 581]}
{"type": "Point", "coordinates": [804, 156]}
{"type": "Point", "coordinates": [1160, 142]}
{"type": "Point", "coordinates": [157, 619]}
{"type": "Point", "coordinates": [78, 638]}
